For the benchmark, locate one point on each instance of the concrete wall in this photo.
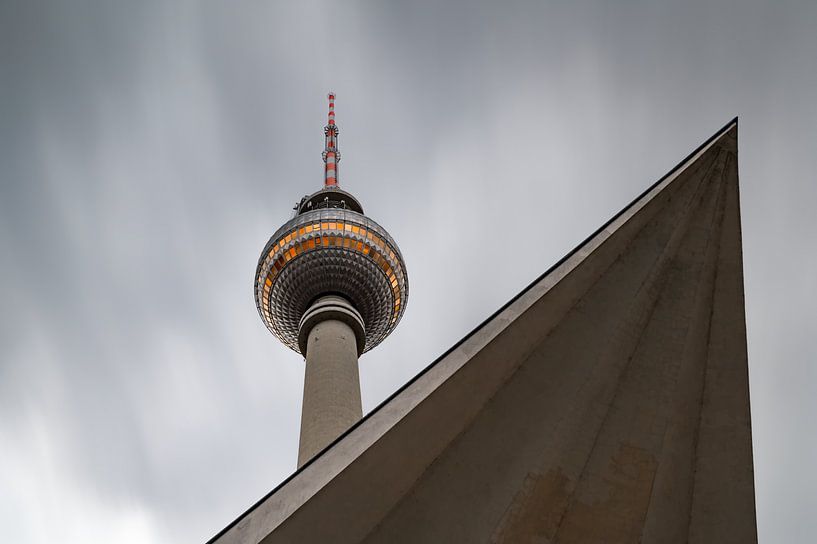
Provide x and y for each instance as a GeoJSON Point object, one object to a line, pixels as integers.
{"type": "Point", "coordinates": [630, 420]}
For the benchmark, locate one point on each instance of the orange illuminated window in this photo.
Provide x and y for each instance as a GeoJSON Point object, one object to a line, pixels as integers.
{"type": "Point", "coordinates": [347, 226]}
{"type": "Point", "coordinates": [267, 282]}
{"type": "Point", "coordinates": [292, 252]}
{"type": "Point", "coordinates": [356, 229]}
{"type": "Point", "coordinates": [310, 244]}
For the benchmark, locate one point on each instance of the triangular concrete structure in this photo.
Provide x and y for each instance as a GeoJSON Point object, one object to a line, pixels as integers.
{"type": "Point", "coordinates": [607, 402]}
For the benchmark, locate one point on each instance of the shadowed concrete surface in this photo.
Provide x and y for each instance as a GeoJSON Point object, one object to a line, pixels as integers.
{"type": "Point", "coordinates": [608, 402]}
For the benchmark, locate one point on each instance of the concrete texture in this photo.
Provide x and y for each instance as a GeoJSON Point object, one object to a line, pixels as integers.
{"type": "Point", "coordinates": [331, 386]}
{"type": "Point", "coordinates": [608, 402]}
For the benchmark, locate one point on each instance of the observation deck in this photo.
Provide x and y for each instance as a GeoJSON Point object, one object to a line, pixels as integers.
{"type": "Point", "coordinates": [331, 248]}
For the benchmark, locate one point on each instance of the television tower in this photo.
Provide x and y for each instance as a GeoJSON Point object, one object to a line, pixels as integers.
{"type": "Point", "coordinates": [330, 284]}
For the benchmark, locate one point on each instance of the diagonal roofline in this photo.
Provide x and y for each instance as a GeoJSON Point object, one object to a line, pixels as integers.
{"type": "Point", "coordinates": [682, 164]}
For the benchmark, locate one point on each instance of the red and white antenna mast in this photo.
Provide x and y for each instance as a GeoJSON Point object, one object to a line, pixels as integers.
{"type": "Point", "coordinates": [331, 155]}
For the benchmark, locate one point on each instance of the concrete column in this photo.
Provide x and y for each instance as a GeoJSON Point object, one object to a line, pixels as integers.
{"type": "Point", "coordinates": [331, 338]}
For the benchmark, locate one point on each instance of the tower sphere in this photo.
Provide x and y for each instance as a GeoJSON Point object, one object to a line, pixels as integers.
{"type": "Point", "coordinates": [331, 249]}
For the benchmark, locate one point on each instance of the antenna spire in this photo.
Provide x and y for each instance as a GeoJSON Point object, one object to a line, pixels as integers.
{"type": "Point", "coordinates": [331, 155]}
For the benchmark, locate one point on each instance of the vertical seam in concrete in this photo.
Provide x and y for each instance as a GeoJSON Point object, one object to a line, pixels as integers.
{"type": "Point", "coordinates": [707, 271]}
{"type": "Point", "coordinates": [697, 432]}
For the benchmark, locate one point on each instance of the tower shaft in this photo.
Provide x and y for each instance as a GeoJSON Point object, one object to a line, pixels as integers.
{"type": "Point", "coordinates": [331, 387]}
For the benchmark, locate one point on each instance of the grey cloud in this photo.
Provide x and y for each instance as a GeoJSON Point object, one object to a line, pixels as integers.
{"type": "Point", "coordinates": [148, 150]}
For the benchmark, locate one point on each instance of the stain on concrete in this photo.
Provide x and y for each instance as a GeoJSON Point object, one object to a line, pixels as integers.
{"type": "Point", "coordinates": [535, 512]}
{"type": "Point", "coordinates": [547, 510]}
{"type": "Point", "coordinates": [619, 515]}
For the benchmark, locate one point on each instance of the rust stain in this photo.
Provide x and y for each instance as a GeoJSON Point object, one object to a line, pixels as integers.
{"type": "Point", "coordinates": [533, 515]}
{"type": "Point", "coordinates": [611, 506]}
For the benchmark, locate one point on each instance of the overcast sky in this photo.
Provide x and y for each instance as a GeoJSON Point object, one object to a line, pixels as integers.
{"type": "Point", "coordinates": [149, 149]}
